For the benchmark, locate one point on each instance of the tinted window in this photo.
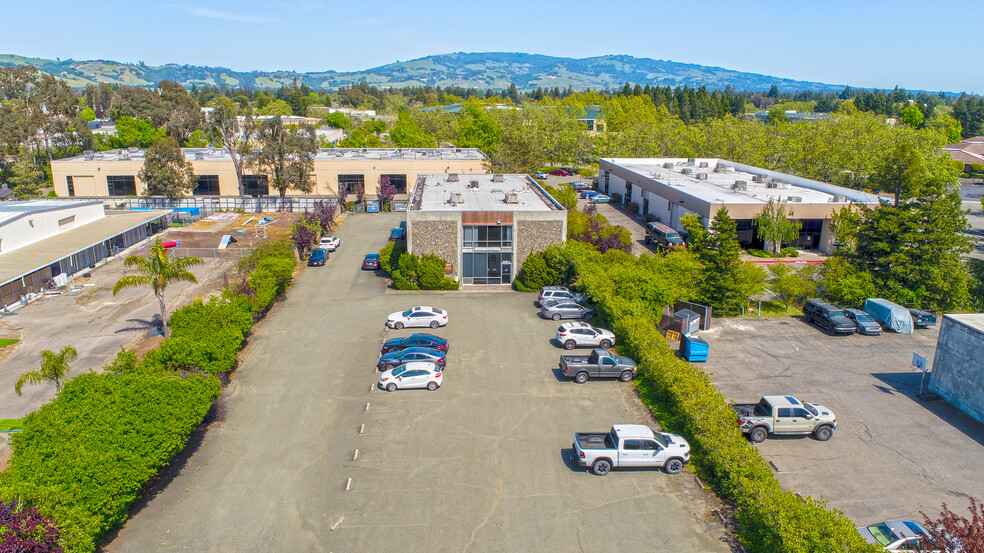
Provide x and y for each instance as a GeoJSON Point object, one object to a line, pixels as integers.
{"type": "Point", "coordinates": [650, 446]}
{"type": "Point", "coordinates": [785, 412]}
{"type": "Point", "coordinates": [632, 444]}
{"type": "Point", "coordinates": [799, 412]}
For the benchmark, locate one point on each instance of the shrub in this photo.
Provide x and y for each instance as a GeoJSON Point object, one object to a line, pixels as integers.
{"type": "Point", "coordinates": [789, 251]}
{"type": "Point", "coordinates": [422, 273]}
{"type": "Point", "coordinates": [389, 256]}
{"type": "Point", "coordinates": [977, 168]}
{"type": "Point", "coordinates": [25, 530]}
{"type": "Point", "coordinates": [84, 456]}
{"type": "Point", "coordinates": [535, 274]}
{"type": "Point", "coordinates": [632, 207]}
{"type": "Point", "coordinates": [759, 253]}
{"type": "Point", "coordinates": [617, 197]}
{"type": "Point", "coordinates": [207, 335]}
{"type": "Point", "coordinates": [650, 218]}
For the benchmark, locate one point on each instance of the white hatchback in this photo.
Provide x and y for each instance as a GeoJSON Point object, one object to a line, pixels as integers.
{"type": "Point", "coordinates": [329, 243]}
{"type": "Point", "coordinates": [417, 374]}
{"type": "Point", "coordinates": [574, 334]}
{"type": "Point", "coordinates": [421, 315]}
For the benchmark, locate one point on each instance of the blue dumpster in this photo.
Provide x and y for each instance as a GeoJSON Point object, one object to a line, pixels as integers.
{"type": "Point", "coordinates": [694, 348]}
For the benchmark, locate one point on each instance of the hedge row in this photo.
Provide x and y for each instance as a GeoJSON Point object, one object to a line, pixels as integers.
{"type": "Point", "coordinates": [628, 294]}
{"type": "Point", "coordinates": [84, 457]}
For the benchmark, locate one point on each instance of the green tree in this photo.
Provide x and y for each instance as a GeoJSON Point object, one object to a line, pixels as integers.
{"type": "Point", "coordinates": [157, 271]}
{"type": "Point", "coordinates": [233, 127]}
{"type": "Point", "coordinates": [775, 227]}
{"type": "Point", "coordinates": [183, 114]}
{"type": "Point", "coordinates": [88, 114]}
{"type": "Point", "coordinates": [54, 367]}
{"type": "Point", "coordinates": [912, 116]}
{"type": "Point", "coordinates": [276, 107]}
{"type": "Point", "coordinates": [477, 129]}
{"type": "Point", "coordinates": [723, 284]}
{"type": "Point", "coordinates": [165, 170]}
{"type": "Point", "coordinates": [407, 134]}
{"type": "Point", "coordinates": [286, 154]}
{"type": "Point", "coordinates": [776, 115]}
{"type": "Point", "coordinates": [134, 132]}
{"type": "Point", "coordinates": [25, 178]}
{"type": "Point", "coordinates": [337, 120]}
{"type": "Point", "coordinates": [786, 283]}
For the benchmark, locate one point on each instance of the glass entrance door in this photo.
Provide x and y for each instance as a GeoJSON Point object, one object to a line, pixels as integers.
{"type": "Point", "coordinates": [486, 268]}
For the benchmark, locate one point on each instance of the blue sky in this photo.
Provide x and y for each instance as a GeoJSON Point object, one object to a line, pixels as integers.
{"type": "Point", "coordinates": [917, 44]}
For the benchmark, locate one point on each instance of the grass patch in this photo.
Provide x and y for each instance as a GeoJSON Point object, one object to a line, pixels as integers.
{"type": "Point", "coordinates": [7, 425]}
{"type": "Point", "coordinates": [4, 342]}
{"type": "Point", "coordinates": [771, 309]}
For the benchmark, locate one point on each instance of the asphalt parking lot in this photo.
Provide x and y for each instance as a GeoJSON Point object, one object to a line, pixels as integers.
{"type": "Point", "coordinates": [307, 455]}
{"type": "Point", "coordinates": [892, 454]}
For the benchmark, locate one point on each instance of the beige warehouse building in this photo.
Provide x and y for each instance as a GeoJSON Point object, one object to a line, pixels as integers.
{"type": "Point", "coordinates": [669, 188]}
{"type": "Point", "coordinates": [114, 173]}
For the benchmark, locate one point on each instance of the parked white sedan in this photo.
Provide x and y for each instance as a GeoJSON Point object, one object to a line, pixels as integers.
{"type": "Point", "coordinates": [329, 243]}
{"type": "Point", "coordinates": [574, 334]}
{"type": "Point", "coordinates": [417, 374]}
{"type": "Point", "coordinates": [421, 315]}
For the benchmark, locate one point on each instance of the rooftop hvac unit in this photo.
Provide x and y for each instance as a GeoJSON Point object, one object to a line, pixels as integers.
{"type": "Point", "coordinates": [686, 171]}
{"type": "Point", "coordinates": [692, 161]}
{"type": "Point", "coordinates": [796, 199]}
{"type": "Point", "coordinates": [702, 165]}
{"type": "Point", "coordinates": [133, 149]}
{"type": "Point", "coordinates": [452, 177]}
{"type": "Point", "coordinates": [740, 185]}
{"type": "Point", "coordinates": [668, 165]}
{"type": "Point", "coordinates": [199, 156]}
{"type": "Point", "coordinates": [512, 198]}
{"type": "Point", "coordinates": [758, 178]}
{"type": "Point", "coordinates": [456, 198]}
{"type": "Point", "coordinates": [88, 155]}
{"type": "Point", "coordinates": [473, 184]}
{"type": "Point", "coordinates": [837, 199]}
{"type": "Point", "coordinates": [701, 176]}
{"type": "Point", "coordinates": [124, 154]}
{"type": "Point", "coordinates": [772, 184]}
{"type": "Point", "coordinates": [497, 177]}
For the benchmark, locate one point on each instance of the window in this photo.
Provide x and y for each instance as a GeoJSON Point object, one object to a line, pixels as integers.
{"type": "Point", "coordinates": [208, 185]}
{"type": "Point", "coordinates": [71, 186]}
{"type": "Point", "coordinates": [256, 185]}
{"type": "Point", "coordinates": [121, 185]}
{"type": "Point", "coordinates": [399, 181]}
{"type": "Point", "coordinates": [799, 412]}
{"type": "Point", "coordinates": [347, 183]}
{"type": "Point", "coordinates": [492, 236]}
{"type": "Point", "coordinates": [785, 412]}
{"type": "Point", "coordinates": [486, 268]}
{"type": "Point", "coordinates": [649, 446]}
{"type": "Point", "coordinates": [632, 444]}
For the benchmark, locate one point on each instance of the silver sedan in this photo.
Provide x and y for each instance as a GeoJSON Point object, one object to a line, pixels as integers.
{"type": "Point", "coordinates": [565, 309]}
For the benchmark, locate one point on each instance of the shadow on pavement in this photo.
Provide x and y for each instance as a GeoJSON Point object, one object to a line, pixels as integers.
{"type": "Point", "coordinates": [907, 384]}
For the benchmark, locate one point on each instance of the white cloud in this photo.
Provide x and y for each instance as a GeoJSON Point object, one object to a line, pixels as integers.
{"type": "Point", "coordinates": [222, 15]}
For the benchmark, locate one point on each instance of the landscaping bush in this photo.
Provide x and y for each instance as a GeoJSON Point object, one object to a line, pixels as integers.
{"type": "Point", "coordinates": [650, 218]}
{"type": "Point", "coordinates": [207, 335]}
{"type": "Point", "coordinates": [84, 456]}
{"type": "Point", "coordinates": [789, 251]}
{"type": "Point", "coordinates": [632, 207]}
{"type": "Point", "coordinates": [27, 531]}
{"type": "Point", "coordinates": [616, 197]}
{"type": "Point", "coordinates": [977, 168]}
{"type": "Point", "coordinates": [389, 256]}
{"type": "Point", "coordinates": [422, 273]}
{"type": "Point", "coordinates": [759, 253]}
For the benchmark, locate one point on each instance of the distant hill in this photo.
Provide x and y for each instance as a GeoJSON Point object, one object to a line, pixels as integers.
{"type": "Point", "coordinates": [494, 70]}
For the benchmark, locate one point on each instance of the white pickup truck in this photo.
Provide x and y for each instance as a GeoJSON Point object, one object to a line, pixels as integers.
{"type": "Point", "coordinates": [630, 445]}
{"type": "Point", "coordinates": [786, 415]}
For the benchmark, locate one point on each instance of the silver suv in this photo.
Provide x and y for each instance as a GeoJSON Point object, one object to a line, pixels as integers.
{"type": "Point", "coordinates": [574, 334]}
{"type": "Point", "coordinates": [558, 293]}
{"type": "Point", "coordinates": [565, 309]}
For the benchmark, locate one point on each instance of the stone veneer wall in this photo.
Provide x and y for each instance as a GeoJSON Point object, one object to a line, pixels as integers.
{"type": "Point", "coordinates": [436, 237]}
{"type": "Point", "coordinates": [534, 236]}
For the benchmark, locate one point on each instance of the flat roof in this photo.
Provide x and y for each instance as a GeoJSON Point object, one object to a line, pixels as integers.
{"type": "Point", "coordinates": [324, 154]}
{"type": "Point", "coordinates": [39, 255]}
{"type": "Point", "coordinates": [973, 320]}
{"type": "Point", "coordinates": [718, 187]}
{"type": "Point", "coordinates": [11, 210]}
{"type": "Point", "coordinates": [435, 192]}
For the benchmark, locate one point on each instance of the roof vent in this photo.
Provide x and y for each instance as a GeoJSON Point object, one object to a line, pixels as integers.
{"type": "Point", "coordinates": [758, 178]}
{"type": "Point", "coordinates": [668, 165]}
{"type": "Point", "coordinates": [497, 177]}
{"type": "Point", "coordinates": [133, 149]}
{"type": "Point", "coordinates": [692, 161]}
{"type": "Point", "coordinates": [124, 154]}
{"type": "Point", "coordinates": [199, 156]}
{"type": "Point", "coordinates": [88, 155]}
{"type": "Point", "coordinates": [512, 198]}
{"type": "Point", "coordinates": [686, 171]}
{"type": "Point", "coordinates": [452, 177]}
{"type": "Point", "coordinates": [772, 184]}
{"type": "Point", "coordinates": [740, 185]}
{"type": "Point", "coordinates": [794, 199]}
{"type": "Point", "coordinates": [701, 176]}
{"type": "Point", "coordinates": [702, 165]}
{"type": "Point", "coordinates": [473, 184]}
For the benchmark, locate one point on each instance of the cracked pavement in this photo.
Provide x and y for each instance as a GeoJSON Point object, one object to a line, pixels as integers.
{"type": "Point", "coordinates": [892, 455]}
{"type": "Point", "coordinates": [479, 465]}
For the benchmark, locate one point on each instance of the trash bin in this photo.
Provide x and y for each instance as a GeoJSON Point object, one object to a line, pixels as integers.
{"type": "Point", "coordinates": [688, 320]}
{"type": "Point", "coordinates": [694, 348]}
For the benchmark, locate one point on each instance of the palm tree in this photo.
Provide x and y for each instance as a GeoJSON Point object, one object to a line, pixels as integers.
{"type": "Point", "coordinates": [54, 367]}
{"type": "Point", "coordinates": [157, 271]}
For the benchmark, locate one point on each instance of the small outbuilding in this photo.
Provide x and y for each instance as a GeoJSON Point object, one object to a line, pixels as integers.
{"type": "Point", "coordinates": [958, 367]}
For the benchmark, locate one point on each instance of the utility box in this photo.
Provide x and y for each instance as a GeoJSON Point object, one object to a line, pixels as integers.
{"type": "Point", "coordinates": [688, 320]}
{"type": "Point", "coordinates": [694, 348]}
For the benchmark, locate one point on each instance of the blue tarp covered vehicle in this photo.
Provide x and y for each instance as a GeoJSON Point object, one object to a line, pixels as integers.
{"type": "Point", "coordinates": [892, 316]}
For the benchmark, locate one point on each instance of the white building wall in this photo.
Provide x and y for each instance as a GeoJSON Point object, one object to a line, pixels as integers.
{"type": "Point", "coordinates": [35, 226]}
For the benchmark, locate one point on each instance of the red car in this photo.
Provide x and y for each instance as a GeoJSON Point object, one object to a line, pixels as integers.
{"type": "Point", "coordinates": [561, 173]}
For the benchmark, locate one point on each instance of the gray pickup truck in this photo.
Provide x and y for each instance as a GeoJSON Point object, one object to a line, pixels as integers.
{"type": "Point", "coordinates": [630, 445]}
{"type": "Point", "coordinates": [599, 364]}
{"type": "Point", "coordinates": [784, 415]}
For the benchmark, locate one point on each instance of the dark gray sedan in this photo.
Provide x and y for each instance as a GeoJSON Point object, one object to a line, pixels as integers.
{"type": "Point", "coordinates": [864, 323]}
